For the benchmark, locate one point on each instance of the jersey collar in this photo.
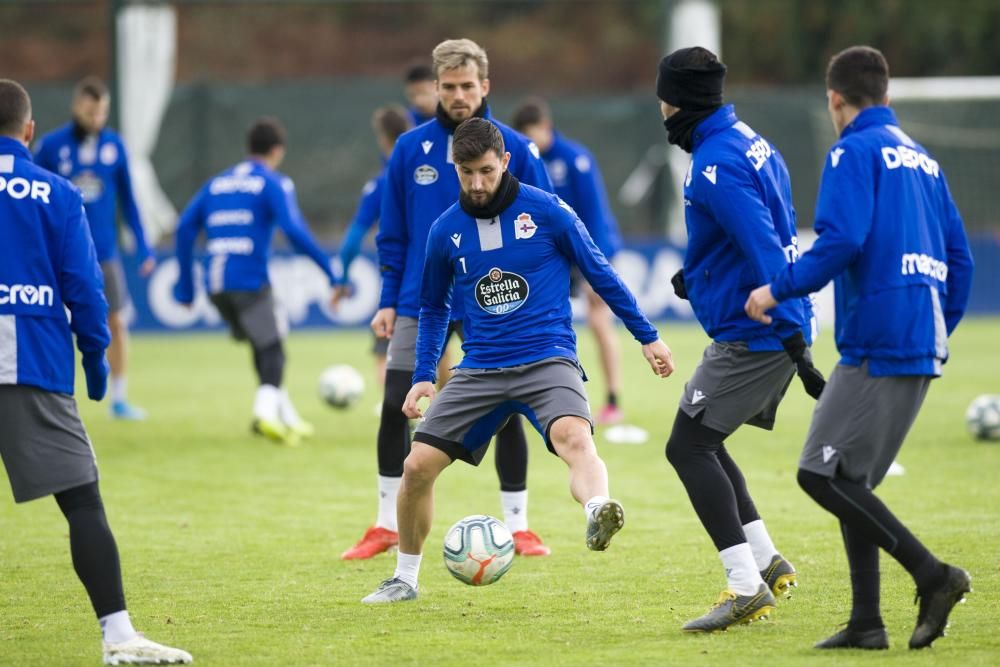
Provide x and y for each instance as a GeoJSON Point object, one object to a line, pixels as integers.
{"type": "Point", "coordinates": [9, 145]}
{"type": "Point", "coordinates": [868, 117]}
{"type": "Point", "coordinates": [722, 119]}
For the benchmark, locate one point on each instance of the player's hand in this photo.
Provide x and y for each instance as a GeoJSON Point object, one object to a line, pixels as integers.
{"type": "Point", "coordinates": [812, 379]}
{"type": "Point", "coordinates": [147, 266]}
{"type": "Point", "coordinates": [340, 292]}
{"type": "Point", "coordinates": [680, 289]}
{"type": "Point", "coordinates": [418, 391]}
{"type": "Point", "coordinates": [659, 357]}
{"type": "Point", "coordinates": [384, 322]}
{"type": "Point", "coordinates": [758, 303]}
{"type": "Point", "coordinates": [95, 370]}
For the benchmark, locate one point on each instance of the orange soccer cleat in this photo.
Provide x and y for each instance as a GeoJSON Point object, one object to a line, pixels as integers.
{"type": "Point", "coordinates": [526, 543]}
{"type": "Point", "coordinates": [375, 540]}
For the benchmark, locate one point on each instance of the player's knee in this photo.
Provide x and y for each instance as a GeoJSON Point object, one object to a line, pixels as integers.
{"type": "Point", "coordinates": [84, 497]}
{"type": "Point", "coordinates": [397, 385]}
{"type": "Point", "coordinates": [571, 436]}
{"type": "Point", "coordinates": [420, 469]}
{"type": "Point", "coordinates": [677, 451]}
{"type": "Point", "coordinates": [116, 323]}
{"type": "Point", "coordinates": [811, 483]}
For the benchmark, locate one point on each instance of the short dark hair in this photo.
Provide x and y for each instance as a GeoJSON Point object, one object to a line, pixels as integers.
{"type": "Point", "coordinates": [92, 87]}
{"type": "Point", "coordinates": [265, 133]}
{"type": "Point", "coordinates": [15, 107]}
{"type": "Point", "coordinates": [474, 138]}
{"type": "Point", "coordinates": [860, 74]}
{"type": "Point", "coordinates": [391, 121]}
{"type": "Point", "coordinates": [419, 73]}
{"type": "Point", "coordinates": [533, 111]}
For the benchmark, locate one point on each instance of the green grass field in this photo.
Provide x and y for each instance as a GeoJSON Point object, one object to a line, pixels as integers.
{"type": "Point", "coordinates": [230, 545]}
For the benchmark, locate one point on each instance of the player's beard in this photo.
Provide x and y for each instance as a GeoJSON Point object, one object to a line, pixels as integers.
{"type": "Point", "coordinates": [494, 205]}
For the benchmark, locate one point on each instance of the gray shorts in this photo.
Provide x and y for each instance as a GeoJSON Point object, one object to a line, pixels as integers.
{"type": "Point", "coordinates": [733, 386]}
{"type": "Point", "coordinates": [860, 423]}
{"type": "Point", "coordinates": [43, 443]}
{"type": "Point", "coordinates": [380, 346]}
{"type": "Point", "coordinates": [402, 354]}
{"type": "Point", "coordinates": [477, 402]}
{"type": "Point", "coordinates": [115, 287]}
{"type": "Point", "coordinates": [250, 315]}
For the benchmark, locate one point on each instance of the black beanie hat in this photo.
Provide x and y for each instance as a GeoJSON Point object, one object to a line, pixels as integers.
{"type": "Point", "coordinates": [691, 79]}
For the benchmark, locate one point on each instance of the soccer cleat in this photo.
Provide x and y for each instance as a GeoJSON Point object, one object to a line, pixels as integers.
{"type": "Point", "coordinates": [605, 522]}
{"type": "Point", "coordinates": [391, 590]}
{"type": "Point", "coordinates": [302, 428]}
{"type": "Point", "coordinates": [141, 651]}
{"type": "Point", "coordinates": [526, 543]}
{"type": "Point", "coordinates": [732, 609]}
{"type": "Point", "coordinates": [610, 414]}
{"type": "Point", "coordinates": [780, 577]}
{"type": "Point", "coordinates": [275, 431]}
{"type": "Point", "coordinates": [936, 604]}
{"type": "Point", "coordinates": [125, 411]}
{"type": "Point", "coordinates": [872, 640]}
{"type": "Point", "coordinates": [375, 540]}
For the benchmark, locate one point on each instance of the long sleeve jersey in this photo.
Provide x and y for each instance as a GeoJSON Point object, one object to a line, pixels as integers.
{"type": "Point", "coordinates": [421, 183]}
{"type": "Point", "coordinates": [368, 212]}
{"type": "Point", "coordinates": [578, 182]}
{"type": "Point", "coordinates": [47, 265]}
{"type": "Point", "coordinates": [892, 240]}
{"type": "Point", "coordinates": [511, 273]}
{"type": "Point", "coordinates": [239, 210]}
{"type": "Point", "coordinates": [98, 166]}
{"type": "Point", "coordinates": [741, 232]}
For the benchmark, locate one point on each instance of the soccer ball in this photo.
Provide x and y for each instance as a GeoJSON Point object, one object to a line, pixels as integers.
{"type": "Point", "coordinates": [983, 417]}
{"type": "Point", "coordinates": [478, 550]}
{"type": "Point", "coordinates": [341, 386]}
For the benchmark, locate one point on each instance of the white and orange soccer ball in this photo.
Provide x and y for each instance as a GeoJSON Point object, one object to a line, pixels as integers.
{"type": "Point", "coordinates": [478, 550]}
{"type": "Point", "coordinates": [983, 417]}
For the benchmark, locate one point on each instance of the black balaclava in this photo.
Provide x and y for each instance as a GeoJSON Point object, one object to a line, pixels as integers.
{"type": "Point", "coordinates": [504, 196]}
{"type": "Point", "coordinates": [691, 80]}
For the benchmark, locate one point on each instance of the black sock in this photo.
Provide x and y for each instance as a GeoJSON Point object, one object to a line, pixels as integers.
{"type": "Point", "coordinates": [691, 450]}
{"type": "Point", "coordinates": [744, 503]}
{"type": "Point", "coordinates": [612, 399]}
{"type": "Point", "coordinates": [512, 456]}
{"type": "Point", "coordinates": [394, 428]}
{"type": "Point", "coordinates": [862, 557]}
{"type": "Point", "coordinates": [95, 554]}
{"type": "Point", "coordinates": [856, 505]}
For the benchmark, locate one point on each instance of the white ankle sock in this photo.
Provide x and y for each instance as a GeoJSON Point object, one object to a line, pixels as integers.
{"type": "Point", "coordinates": [117, 627]}
{"type": "Point", "coordinates": [515, 510]}
{"type": "Point", "coordinates": [591, 506]}
{"type": "Point", "coordinates": [286, 410]}
{"type": "Point", "coordinates": [760, 543]}
{"type": "Point", "coordinates": [265, 402]}
{"type": "Point", "coordinates": [407, 567]}
{"type": "Point", "coordinates": [388, 491]}
{"type": "Point", "coordinates": [741, 569]}
{"type": "Point", "coordinates": [119, 388]}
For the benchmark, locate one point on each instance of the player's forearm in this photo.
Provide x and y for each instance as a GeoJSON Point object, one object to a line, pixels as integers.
{"type": "Point", "coordinates": [432, 328]}
{"type": "Point", "coordinates": [827, 259]}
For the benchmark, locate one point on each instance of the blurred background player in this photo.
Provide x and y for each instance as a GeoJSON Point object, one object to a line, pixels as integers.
{"type": "Point", "coordinates": [420, 89]}
{"type": "Point", "coordinates": [47, 265]}
{"type": "Point", "coordinates": [388, 123]}
{"type": "Point", "coordinates": [239, 210]}
{"type": "Point", "coordinates": [510, 265]}
{"type": "Point", "coordinates": [893, 242]}
{"type": "Point", "coordinates": [578, 182]}
{"type": "Point", "coordinates": [421, 184]}
{"type": "Point", "coordinates": [741, 227]}
{"type": "Point", "coordinates": [93, 158]}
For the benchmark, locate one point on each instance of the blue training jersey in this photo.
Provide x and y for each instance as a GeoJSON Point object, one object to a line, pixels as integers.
{"type": "Point", "coordinates": [892, 240]}
{"type": "Point", "coordinates": [47, 265]}
{"type": "Point", "coordinates": [98, 166]}
{"type": "Point", "coordinates": [239, 210]}
{"type": "Point", "coordinates": [421, 183]}
{"type": "Point", "coordinates": [368, 212]}
{"type": "Point", "coordinates": [741, 232]}
{"type": "Point", "coordinates": [511, 273]}
{"type": "Point", "coordinates": [577, 180]}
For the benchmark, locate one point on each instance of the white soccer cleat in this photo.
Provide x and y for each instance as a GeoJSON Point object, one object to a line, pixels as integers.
{"type": "Point", "coordinates": [141, 651]}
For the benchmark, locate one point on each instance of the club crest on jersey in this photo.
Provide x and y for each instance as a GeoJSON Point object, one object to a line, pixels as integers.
{"type": "Point", "coordinates": [500, 292]}
{"type": "Point", "coordinates": [425, 174]}
{"type": "Point", "coordinates": [109, 154]}
{"type": "Point", "coordinates": [524, 227]}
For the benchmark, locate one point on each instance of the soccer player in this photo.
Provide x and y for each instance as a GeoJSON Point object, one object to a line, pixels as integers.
{"type": "Point", "coordinates": [741, 230]}
{"type": "Point", "coordinates": [48, 264]}
{"type": "Point", "coordinates": [892, 240]}
{"type": "Point", "coordinates": [93, 158]}
{"type": "Point", "coordinates": [505, 251]}
{"type": "Point", "coordinates": [239, 210]}
{"type": "Point", "coordinates": [577, 181]}
{"type": "Point", "coordinates": [388, 123]}
{"type": "Point", "coordinates": [420, 185]}
{"type": "Point", "coordinates": [420, 89]}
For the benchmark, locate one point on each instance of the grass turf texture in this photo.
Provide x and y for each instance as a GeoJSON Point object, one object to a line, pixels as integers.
{"type": "Point", "coordinates": [230, 545]}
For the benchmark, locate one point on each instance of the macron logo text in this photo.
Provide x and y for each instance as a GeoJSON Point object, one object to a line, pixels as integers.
{"type": "Point", "coordinates": [29, 295]}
